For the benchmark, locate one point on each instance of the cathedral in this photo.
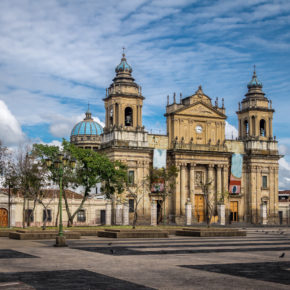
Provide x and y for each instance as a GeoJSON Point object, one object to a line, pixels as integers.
{"type": "Point", "coordinates": [241, 175]}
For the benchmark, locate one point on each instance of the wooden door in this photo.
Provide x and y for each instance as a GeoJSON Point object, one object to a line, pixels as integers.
{"type": "Point", "coordinates": [3, 217]}
{"type": "Point", "coordinates": [199, 207]}
{"type": "Point", "coordinates": [233, 211]}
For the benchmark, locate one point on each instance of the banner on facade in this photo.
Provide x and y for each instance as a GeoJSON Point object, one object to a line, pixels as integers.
{"type": "Point", "coordinates": [159, 158]}
{"type": "Point", "coordinates": [159, 161]}
{"type": "Point", "coordinates": [236, 173]}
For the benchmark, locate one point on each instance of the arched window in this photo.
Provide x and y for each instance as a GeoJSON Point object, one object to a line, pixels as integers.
{"type": "Point", "coordinates": [128, 116]}
{"type": "Point", "coordinates": [262, 128]}
{"type": "Point", "coordinates": [111, 116]}
{"type": "Point", "coordinates": [246, 128]}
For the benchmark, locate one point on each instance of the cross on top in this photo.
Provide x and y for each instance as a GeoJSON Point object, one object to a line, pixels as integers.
{"type": "Point", "coordinates": [123, 50]}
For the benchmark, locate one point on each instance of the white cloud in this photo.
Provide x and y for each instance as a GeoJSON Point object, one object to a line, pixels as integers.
{"type": "Point", "coordinates": [10, 130]}
{"type": "Point", "coordinates": [96, 119]}
{"type": "Point", "coordinates": [284, 174]}
{"type": "Point", "coordinates": [231, 131]}
{"type": "Point", "coordinates": [55, 55]}
{"type": "Point", "coordinates": [62, 126]}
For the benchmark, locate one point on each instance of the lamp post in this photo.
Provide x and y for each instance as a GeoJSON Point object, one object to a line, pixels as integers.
{"type": "Point", "coordinates": [59, 164]}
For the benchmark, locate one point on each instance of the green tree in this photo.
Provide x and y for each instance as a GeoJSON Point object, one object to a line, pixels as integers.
{"type": "Point", "coordinates": [137, 193]}
{"type": "Point", "coordinates": [24, 174]}
{"type": "Point", "coordinates": [209, 201]}
{"type": "Point", "coordinates": [91, 168]}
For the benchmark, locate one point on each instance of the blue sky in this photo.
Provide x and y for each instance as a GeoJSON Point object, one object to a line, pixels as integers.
{"type": "Point", "coordinates": [57, 55]}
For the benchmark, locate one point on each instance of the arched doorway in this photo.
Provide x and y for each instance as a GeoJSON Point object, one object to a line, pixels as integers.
{"type": "Point", "coordinates": [3, 217]}
{"type": "Point", "coordinates": [159, 212]}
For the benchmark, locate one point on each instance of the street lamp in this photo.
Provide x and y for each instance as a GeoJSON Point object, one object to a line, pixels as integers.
{"type": "Point", "coordinates": [59, 164]}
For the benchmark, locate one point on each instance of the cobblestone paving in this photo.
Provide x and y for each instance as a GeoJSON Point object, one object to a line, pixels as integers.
{"type": "Point", "coordinates": [252, 262]}
{"type": "Point", "coordinates": [10, 254]}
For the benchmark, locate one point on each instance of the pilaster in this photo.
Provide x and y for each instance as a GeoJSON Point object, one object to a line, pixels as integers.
{"type": "Point", "coordinates": [191, 187]}
{"type": "Point", "coordinates": [182, 189]}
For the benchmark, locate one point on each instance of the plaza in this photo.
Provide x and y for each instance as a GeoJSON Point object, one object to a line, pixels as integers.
{"type": "Point", "coordinates": [251, 262]}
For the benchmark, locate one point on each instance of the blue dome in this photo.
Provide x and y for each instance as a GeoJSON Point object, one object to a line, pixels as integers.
{"type": "Point", "coordinates": [87, 127]}
{"type": "Point", "coordinates": [123, 66]}
{"type": "Point", "coordinates": [254, 83]}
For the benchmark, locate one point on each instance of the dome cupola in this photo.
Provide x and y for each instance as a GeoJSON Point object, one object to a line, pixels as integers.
{"type": "Point", "coordinates": [254, 83]}
{"type": "Point", "coordinates": [87, 127]}
{"type": "Point", "coordinates": [123, 66]}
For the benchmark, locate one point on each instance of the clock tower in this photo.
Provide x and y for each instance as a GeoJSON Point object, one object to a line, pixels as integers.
{"type": "Point", "coordinates": [195, 121]}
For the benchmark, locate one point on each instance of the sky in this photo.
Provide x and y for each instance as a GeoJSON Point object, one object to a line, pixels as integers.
{"type": "Point", "coordinates": [57, 56]}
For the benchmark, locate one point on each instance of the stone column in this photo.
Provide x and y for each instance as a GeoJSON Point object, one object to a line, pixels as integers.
{"type": "Point", "coordinates": [153, 213]}
{"type": "Point", "coordinates": [177, 194]}
{"type": "Point", "coordinates": [253, 192]}
{"type": "Point", "coordinates": [211, 198]}
{"type": "Point", "coordinates": [107, 117]}
{"type": "Point", "coordinates": [218, 185]}
{"type": "Point", "coordinates": [259, 186]}
{"type": "Point", "coordinates": [118, 214]}
{"type": "Point", "coordinates": [122, 113]}
{"type": "Point", "coordinates": [263, 212]}
{"type": "Point", "coordinates": [250, 127]}
{"type": "Point", "coordinates": [221, 214]}
{"type": "Point", "coordinates": [182, 190]}
{"type": "Point", "coordinates": [219, 179]}
{"type": "Point", "coordinates": [134, 116]}
{"type": "Point", "coordinates": [109, 213]}
{"type": "Point", "coordinates": [210, 178]}
{"type": "Point", "coordinates": [225, 179]}
{"type": "Point", "coordinates": [276, 208]}
{"type": "Point", "coordinates": [126, 213]}
{"type": "Point", "coordinates": [188, 212]}
{"type": "Point", "coordinates": [191, 187]}
{"type": "Point", "coordinates": [137, 115]}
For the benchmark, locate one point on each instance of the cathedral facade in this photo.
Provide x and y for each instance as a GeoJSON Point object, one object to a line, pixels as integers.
{"type": "Point", "coordinates": [240, 174]}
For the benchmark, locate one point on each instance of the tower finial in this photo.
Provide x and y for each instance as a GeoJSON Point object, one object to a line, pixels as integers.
{"type": "Point", "coordinates": [123, 51]}
{"type": "Point", "coordinates": [254, 69]}
{"type": "Point", "coordinates": [88, 113]}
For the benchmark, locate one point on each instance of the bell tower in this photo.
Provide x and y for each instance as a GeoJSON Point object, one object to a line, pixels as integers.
{"type": "Point", "coordinates": [123, 104]}
{"type": "Point", "coordinates": [255, 114]}
{"type": "Point", "coordinates": [124, 100]}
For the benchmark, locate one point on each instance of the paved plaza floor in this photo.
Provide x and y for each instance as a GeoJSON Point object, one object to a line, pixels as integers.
{"type": "Point", "coordinates": [252, 262]}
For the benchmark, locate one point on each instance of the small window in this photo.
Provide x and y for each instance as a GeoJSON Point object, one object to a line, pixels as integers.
{"type": "Point", "coordinates": [131, 178]}
{"type": "Point", "coordinates": [29, 213]}
{"type": "Point", "coordinates": [48, 215]}
{"type": "Point", "coordinates": [81, 216]}
{"type": "Point", "coordinates": [264, 182]}
{"type": "Point", "coordinates": [131, 205]}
